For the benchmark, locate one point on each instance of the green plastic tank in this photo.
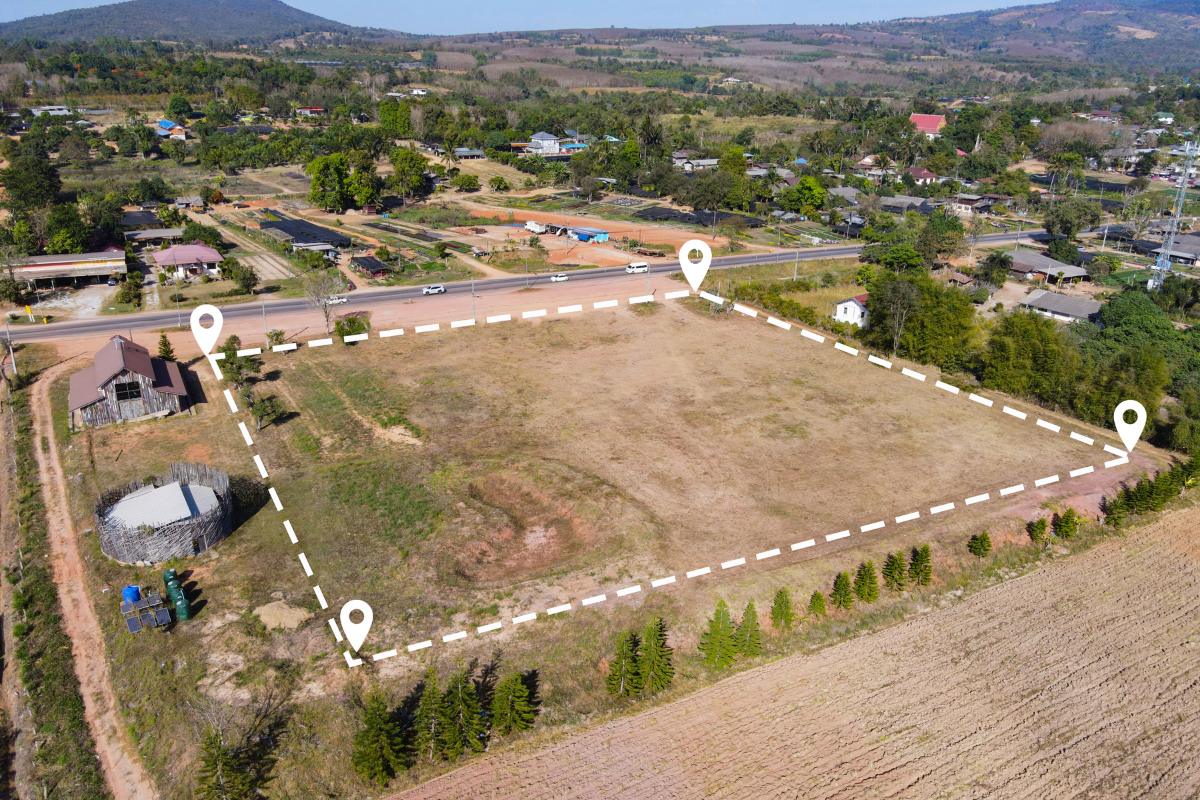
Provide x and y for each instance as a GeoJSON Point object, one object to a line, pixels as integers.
{"type": "Point", "coordinates": [183, 612]}
{"type": "Point", "coordinates": [169, 575]}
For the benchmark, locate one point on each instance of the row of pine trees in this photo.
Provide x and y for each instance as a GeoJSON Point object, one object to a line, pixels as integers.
{"type": "Point", "coordinates": [724, 641]}
{"type": "Point", "coordinates": [642, 663]}
{"type": "Point", "coordinates": [437, 723]}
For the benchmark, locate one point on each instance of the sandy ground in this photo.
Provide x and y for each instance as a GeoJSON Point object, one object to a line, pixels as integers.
{"type": "Point", "coordinates": [1077, 680]}
{"type": "Point", "coordinates": [122, 769]}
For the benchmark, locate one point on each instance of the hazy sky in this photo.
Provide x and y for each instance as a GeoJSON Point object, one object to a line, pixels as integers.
{"type": "Point", "coordinates": [482, 16]}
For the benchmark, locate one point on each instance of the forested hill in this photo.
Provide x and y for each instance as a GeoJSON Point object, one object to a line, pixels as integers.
{"type": "Point", "coordinates": [176, 20]}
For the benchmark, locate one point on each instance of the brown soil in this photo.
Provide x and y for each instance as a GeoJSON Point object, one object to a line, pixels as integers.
{"type": "Point", "coordinates": [118, 758]}
{"type": "Point", "coordinates": [1077, 680]}
{"type": "Point", "coordinates": [281, 615]}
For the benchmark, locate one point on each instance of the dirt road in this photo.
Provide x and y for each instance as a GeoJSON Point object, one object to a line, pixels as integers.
{"type": "Point", "coordinates": [1078, 680]}
{"type": "Point", "coordinates": [122, 768]}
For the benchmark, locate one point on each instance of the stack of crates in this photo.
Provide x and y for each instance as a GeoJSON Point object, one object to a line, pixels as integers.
{"type": "Point", "coordinates": [183, 612]}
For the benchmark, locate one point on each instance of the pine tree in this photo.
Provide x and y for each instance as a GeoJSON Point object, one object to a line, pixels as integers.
{"type": "Point", "coordinates": [378, 750]}
{"type": "Point", "coordinates": [718, 644]}
{"type": "Point", "coordinates": [749, 634]}
{"type": "Point", "coordinates": [979, 545]}
{"type": "Point", "coordinates": [894, 572]}
{"type": "Point", "coordinates": [1066, 524]}
{"type": "Point", "coordinates": [783, 615]}
{"type": "Point", "coordinates": [165, 351]}
{"type": "Point", "coordinates": [842, 595]}
{"type": "Point", "coordinates": [816, 604]}
{"type": "Point", "coordinates": [920, 566]}
{"type": "Point", "coordinates": [221, 775]}
{"type": "Point", "coordinates": [1037, 530]}
{"type": "Point", "coordinates": [655, 667]}
{"type": "Point", "coordinates": [427, 726]}
{"type": "Point", "coordinates": [462, 717]}
{"type": "Point", "coordinates": [866, 585]}
{"type": "Point", "coordinates": [624, 679]}
{"type": "Point", "coordinates": [511, 710]}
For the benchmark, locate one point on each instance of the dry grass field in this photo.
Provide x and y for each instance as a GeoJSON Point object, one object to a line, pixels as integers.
{"type": "Point", "coordinates": [452, 479]}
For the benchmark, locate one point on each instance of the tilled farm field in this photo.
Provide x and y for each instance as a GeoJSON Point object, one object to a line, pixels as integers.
{"type": "Point", "coordinates": [1076, 681]}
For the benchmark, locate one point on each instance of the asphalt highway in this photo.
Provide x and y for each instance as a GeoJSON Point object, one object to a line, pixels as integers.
{"type": "Point", "coordinates": [383, 297]}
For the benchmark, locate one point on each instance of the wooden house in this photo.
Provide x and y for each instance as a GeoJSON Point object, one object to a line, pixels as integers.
{"type": "Point", "coordinates": [124, 383]}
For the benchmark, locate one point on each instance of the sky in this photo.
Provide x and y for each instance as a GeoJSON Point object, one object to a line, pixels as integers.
{"type": "Point", "coordinates": [483, 16]}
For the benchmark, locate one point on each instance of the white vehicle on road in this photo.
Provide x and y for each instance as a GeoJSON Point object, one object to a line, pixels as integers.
{"type": "Point", "coordinates": [536, 227]}
{"type": "Point", "coordinates": [562, 276]}
{"type": "Point", "coordinates": [637, 266]}
{"type": "Point", "coordinates": [337, 299]}
{"type": "Point", "coordinates": [437, 288]}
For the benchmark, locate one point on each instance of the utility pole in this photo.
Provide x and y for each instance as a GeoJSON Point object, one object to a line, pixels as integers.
{"type": "Point", "coordinates": [472, 297]}
{"type": "Point", "coordinates": [1017, 241]}
{"type": "Point", "coordinates": [11, 355]}
{"type": "Point", "coordinates": [266, 338]}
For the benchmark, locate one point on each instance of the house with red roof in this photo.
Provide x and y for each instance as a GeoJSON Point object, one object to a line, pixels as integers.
{"type": "Point", "coordinates": [189, 259]}
{"type": "Point", "coordinates": [929, 124]}
{"type": "Point", "coordinates": [852, 310]}
{"type": "Point", "coordinates": [124, 382]}
{"type": "Point", "coordinates": [922, 176]}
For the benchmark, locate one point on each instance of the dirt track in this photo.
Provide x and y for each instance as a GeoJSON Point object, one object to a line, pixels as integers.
{"type": "Point", "coordinates": [122, 770]}
{"type": "Point", "coordinates": [1078, 680]}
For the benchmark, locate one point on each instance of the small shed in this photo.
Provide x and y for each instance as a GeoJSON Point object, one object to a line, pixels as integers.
{"type": "Point", "coordinates": [583, 234]}
{"type": "Point", "coordinates": [123, 383]}
{"type": "Point", "coordinates": [1061, 307]}
{"type": "Point", "coordinates": [852, 310]}
{"type": "Point", "coordinates": [372, 266]}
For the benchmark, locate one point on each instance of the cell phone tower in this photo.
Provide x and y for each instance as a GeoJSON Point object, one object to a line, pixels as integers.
{"type": "Point", "coordinates": [1162, 267]}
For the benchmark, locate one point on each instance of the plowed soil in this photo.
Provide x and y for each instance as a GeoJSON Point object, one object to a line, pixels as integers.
{"type": "Point", "coordinates": [1078, 680]}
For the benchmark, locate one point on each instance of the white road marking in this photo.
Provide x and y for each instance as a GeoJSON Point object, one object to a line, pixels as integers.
{"type": "Point", "coordinates": [283, 348]}
{"type": "Point", "coordinates": [287, 526]}
{"type": "Point", "coordinates": [605, 304]}
{"type": "Point", "coordinates": [320, 597]}
{"type": "Point", "coordinates": [569, 309]}
{"type": "Point", "coordinates": [384, 654]}
{"type": "Point", "coordinates": [662, 582]}
{"type": "Point", "coordinates": [412, 648]}
{"type": "Point", "coordinates": [787, 326]}
{"type": "Point", "coordinates": [908, 517]}
{"type": "Point", "coordinates": [839, 346]}
{"type": "Point", "coordinates": [645, 298]}
{"type": "Point", "coordinates": [541, 312]}
{"type": "Point", "coordinates": [749, 312]}
{"type": "Point", "coordinates": [232, 405]}
{"type": "Point", "coordinates": [880, 362]}
{"type": "Point", "coordinates": [1012, 412]}
{"type": "Point", "coordinates": [675, 295]}
{"type": "Point", "coordinates": [911, 374]}
{"type": "Point", "coordinates": [1081, 438]}
{"type": "Point", "coordinates": [941, 508]}
{"type": "Point", "coordinates": [600, 598]}
{"type": "Point", "coordinates": [350, 660]}
{"type": "Point", "coordinates": [804, 544]}
{"type": "Point", "coordinates": [713, 298]}
{"type": "Point", "coordinates": [356, 337]}
{"type": "Point", "coordinates": [559, 609]}
{"type": "Point", "coordinates": [1108, 448]}
{"type": "Point", "coordinates": [767, 554]}
{"type": "Point", "coordinates": [245, 434]}
{"type": "Point", "coordinates": [462, 323]}
{"type": "Point", "coordinates": [983, 401]}
{"type": "Point", "coordinates": [874, 526]}
{"type": "Point", "coordinates": [258, 463]}
{"type": "Point", "coordinates": [833, 537]}
{"type": "Point", "coordinates": [628, 590]}
{"type": "Point", "coordinates": [337, 632]}
{"type": "Point", "coordinates": [493, 626]}
{"type": "Point", "coordinates": [1020, 487]}
{"type": "Point", "coordinates": [275, 498]}
{"type": "Point", "coordinates": [500, 318]}
{"type": "Point", "coordinates": [304, 563]}
{"type": "Point", "coordinates": [319, 342]}
{"type": "Point", "coordinates": [392, 332]}
{"type": "Point", "coordinates": [979, 498]}
{"type": "Point", "coordinates": [1116, 462]}
{"type": "Point", "coordinates": [737, 562]}
{"type": "Point", "coordinates": [426, 328]}
{"type": "Point", "coordinates": [250, 351]}
{"type": "Point", "coordinates": [454, 637]}
{"type": "Point", "coordinates": [696, 573]}
{"type": "Point", "coordinates": [1045, 481]}
{"type": "Point", "coordinates": [810, 335]}
{"type": "Point", "coordinates": [1050, 426]}
{"type": "Point", "coordinates": [1075, 473]}
{"type": "Point", "coordinates": [946, 387]}
{"type": "Point", "coordinates": [524, 618]}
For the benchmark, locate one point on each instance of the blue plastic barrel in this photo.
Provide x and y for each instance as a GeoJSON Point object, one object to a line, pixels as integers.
{"type": "Point", "coordinates": [131, 594]}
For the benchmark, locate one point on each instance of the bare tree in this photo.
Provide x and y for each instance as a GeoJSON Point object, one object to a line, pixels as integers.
{"type": "Point", "coordinates": [900, 298]}
{"type": "Point", "coordinates": [11, 258]}
{"type": "Point", "coordinates": [320, 287]}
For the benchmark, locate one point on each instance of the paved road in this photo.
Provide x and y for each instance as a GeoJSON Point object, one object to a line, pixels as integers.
{"type": "Point", "coordinates": [381, 297]}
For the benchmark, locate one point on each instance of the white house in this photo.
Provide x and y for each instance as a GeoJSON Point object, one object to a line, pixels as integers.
{"type": "Point", "coordinates": [51, 111]}
{"type": "Point", "coordinates": [544, 144]}
{"type": "Point", "coordinates": [852, 310]}
{"type": "Point", "coordinates": [420, 92]}
{"type": "Point", "coordinates": [699, 164]}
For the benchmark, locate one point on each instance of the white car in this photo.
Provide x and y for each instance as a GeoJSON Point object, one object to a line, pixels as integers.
{"type": "Point", "coordinates": [637, 266]}
{"type": "Point", "coordinates": [562, 276]}
{"type": "Point", "coordinates": [437, 288]}
{"type": "Point", "coordinates": [337, 299]}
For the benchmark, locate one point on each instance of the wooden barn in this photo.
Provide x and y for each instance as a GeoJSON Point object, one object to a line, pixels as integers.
{"type": "Point", "coordinates": [125, 383]}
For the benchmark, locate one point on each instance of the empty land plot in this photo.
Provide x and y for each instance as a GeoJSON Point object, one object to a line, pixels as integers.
{"type": "Point", "coordinates": [1072, 681]}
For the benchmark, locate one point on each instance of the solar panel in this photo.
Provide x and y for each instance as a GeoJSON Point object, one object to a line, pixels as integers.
{"type": "Point", "coordinates": [149, 621]}
{"type": "Point", "coordinates": [126, 608]}
{"type": "Point", "coordinates": [163, 616]}
{"type": "Point", "coordinates": [142, 605]}
{"type": "Point", "coordinates": [134, 624]}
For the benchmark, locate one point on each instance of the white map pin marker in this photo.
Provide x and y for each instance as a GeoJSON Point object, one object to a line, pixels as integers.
{"type": "Point", "coordinates": [206, 337]}
{"type": "Point", "coordinates": [356, 632]}
{"type": "Point", "coordinates": [1130, 432]}
{"type": "Point", "coordinates": [695, 272]}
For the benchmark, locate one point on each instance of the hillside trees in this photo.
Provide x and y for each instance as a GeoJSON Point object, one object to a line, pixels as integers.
{"type": "Point", "coordinates": [378, 752]}
{"type": "Point", "coordinates": [718, 644]}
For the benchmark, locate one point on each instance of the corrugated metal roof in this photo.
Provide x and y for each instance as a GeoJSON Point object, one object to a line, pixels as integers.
{"type": "Point", "coordinates": [162, 506]}
{"type": "Point", "coordinates": [1061, 304]}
